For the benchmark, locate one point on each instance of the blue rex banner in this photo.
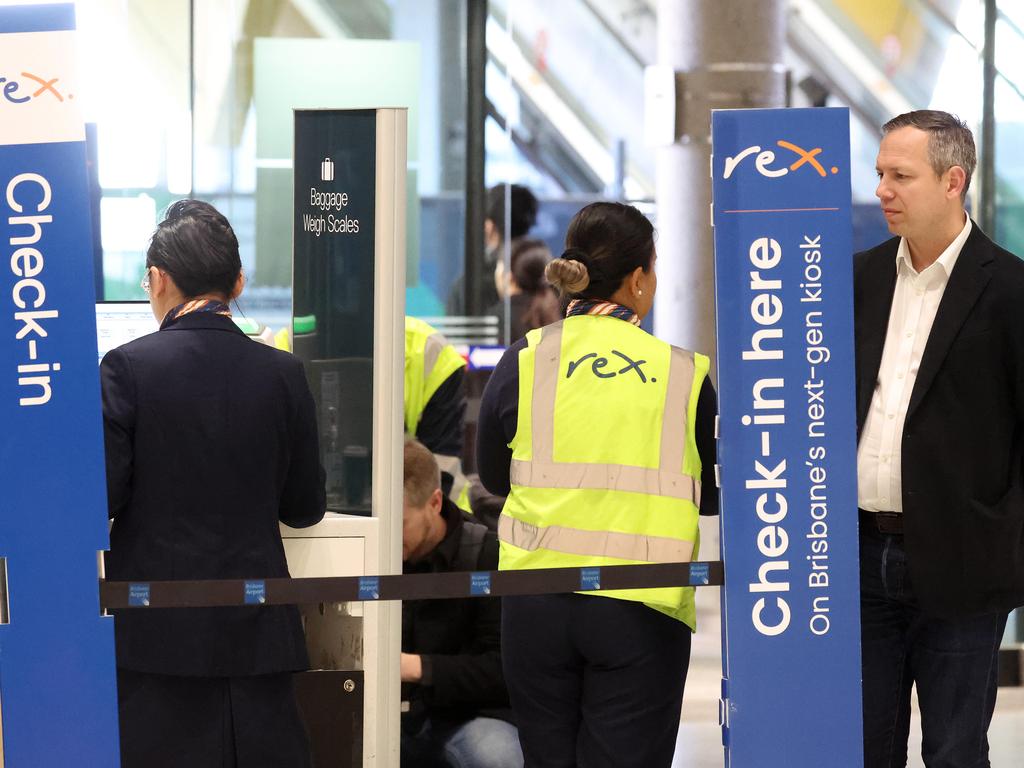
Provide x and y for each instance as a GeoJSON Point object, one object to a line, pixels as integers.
{"type": "Point", "coordinates": [57, 674]}
{"type": "Point", "coordinates": [783, 264]}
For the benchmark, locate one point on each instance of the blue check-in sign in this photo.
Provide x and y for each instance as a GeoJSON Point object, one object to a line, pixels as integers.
{"type": "Point", "coordinates": [787, 449]}
{"type": "Point", "coordinates": [57, 664]}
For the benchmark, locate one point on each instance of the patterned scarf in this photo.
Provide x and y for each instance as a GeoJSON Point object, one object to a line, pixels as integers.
{"type": "Point", "coordinates": [597, 307]}
{"type": "Point", "coordinates": [196, 305]}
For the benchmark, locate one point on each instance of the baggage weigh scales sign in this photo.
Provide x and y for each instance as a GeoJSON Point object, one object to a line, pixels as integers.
{"type": "Point", "coordinates": [783, 263]}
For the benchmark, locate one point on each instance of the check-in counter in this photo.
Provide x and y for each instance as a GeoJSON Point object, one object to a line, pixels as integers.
{"type": "Point", "coordinates": [341, 636]}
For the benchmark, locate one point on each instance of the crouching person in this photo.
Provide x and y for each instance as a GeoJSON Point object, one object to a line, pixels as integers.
{"type": "Point", "coordinates": [455, 704]}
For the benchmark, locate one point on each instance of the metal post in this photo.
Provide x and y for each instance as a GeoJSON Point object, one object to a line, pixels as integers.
{"type": "Point", "coordinates": [618, 190]}
{"type": "Point", "coordinates": [452, 88]}
{"type": "Point", "coordinates": [192, 99]}
{"type": "Point", "coordinates": [988, 123]}
{"type": "Point", "coordinates": [476, 114]}
{"type": "Point", "coordinates": [726, 53]}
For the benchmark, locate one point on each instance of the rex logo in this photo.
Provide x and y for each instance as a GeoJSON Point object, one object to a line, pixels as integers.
{"type": "Point", "coordinates": [764, 160]}
{"type": "Point", "coordinates": [32, 87]}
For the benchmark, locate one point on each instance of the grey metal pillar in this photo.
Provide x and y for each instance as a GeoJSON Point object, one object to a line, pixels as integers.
{"type": "Point", "coordinates": [476, 115]}
{"type": "Point", "coordinates": [987, 219]}
{"type": "Point", "coordinates": [727, 54]}
{"type": "Point", "coordinates": [453, 96]}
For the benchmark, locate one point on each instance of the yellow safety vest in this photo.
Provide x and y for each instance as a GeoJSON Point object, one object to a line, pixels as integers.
{"type": "Point", "coordinates": [429, 361]}
{"type": "Point", "coordinates": [605, 469]}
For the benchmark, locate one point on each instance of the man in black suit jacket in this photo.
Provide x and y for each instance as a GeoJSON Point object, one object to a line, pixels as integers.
{"type": "Point", "coordinates": [940, 416]}
{"type": "Point", "coordinates": [211, 440]}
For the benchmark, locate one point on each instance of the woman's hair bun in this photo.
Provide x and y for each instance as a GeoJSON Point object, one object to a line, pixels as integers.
{"type": "Point", "coordinates": [568, 274]}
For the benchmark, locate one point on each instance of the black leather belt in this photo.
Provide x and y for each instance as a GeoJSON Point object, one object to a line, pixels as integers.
{"type": "Point", "coordinates": [889, 523]}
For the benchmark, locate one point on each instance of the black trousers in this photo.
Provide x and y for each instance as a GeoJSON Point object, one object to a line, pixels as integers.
{"type": "Point", "coordinates": [595, 682]}
{"type": "Point", "coordinates": [202, 722]}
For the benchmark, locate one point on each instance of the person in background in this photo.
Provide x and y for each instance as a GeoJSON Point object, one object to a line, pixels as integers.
{"type": "Point", "coordinates": [458, 713]}
{"type": "Point", "coordinates": [522, 213]}
{"type": "Point", "coordinates": [532, 301]}
{"type": "Point", "coordinates": [940, 454]}
{"type": "Point", "coordinates": [610, 464]}
{"type": "Point", "coordinates": [435, 402]}
{"type": "Point", "coordinates": [211, 442]}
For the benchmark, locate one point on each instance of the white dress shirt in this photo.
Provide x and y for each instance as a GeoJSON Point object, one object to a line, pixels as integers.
{"type": "Point", "coordinates": [914, 304]}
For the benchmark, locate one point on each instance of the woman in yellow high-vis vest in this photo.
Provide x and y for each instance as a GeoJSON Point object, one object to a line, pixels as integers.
{"type": "Point", "coordinates": [602, 437]}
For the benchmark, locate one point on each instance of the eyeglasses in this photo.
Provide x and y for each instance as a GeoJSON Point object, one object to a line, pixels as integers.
{"type": "Point", "coordinates": [144, 284]}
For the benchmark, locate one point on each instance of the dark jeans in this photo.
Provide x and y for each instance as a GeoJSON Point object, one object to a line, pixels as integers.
{"type": "Point", "coordinates": [595, 682]}
{"type": "Point", "coordinates": [952, 662]}
{"type": "Point", "coordinates": [483, 742]}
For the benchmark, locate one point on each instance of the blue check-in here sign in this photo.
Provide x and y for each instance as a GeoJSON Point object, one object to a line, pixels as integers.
{"type": "Point", "coordinates": [783, 270]}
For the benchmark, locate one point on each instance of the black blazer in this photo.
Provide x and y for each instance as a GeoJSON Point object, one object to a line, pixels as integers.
{"type": "Point", "coordinates": [963, 440]}
{"type": "Point", "coordinates": [211, 439]}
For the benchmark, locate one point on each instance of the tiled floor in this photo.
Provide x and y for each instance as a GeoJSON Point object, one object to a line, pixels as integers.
{"type": "Point", "coordinates": [699, 744]}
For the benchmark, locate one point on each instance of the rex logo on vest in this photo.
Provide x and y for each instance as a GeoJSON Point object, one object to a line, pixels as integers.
{"type": "Point", "coordinates": [599, 363]}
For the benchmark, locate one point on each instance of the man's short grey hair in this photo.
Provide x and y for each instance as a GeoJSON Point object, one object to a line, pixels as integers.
{"type": "Point", "coordinates": [422, 476]}
{"type": "Point", "coordinates": [950, 141]}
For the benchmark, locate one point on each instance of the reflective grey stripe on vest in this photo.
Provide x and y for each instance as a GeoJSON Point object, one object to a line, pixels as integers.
{"type": "Point", "coordinates": [576, 541]}
{"type": "Point", "coordinates": [544, 472]}
{"type": "Point", "coordinates": [677, 405]}
{"type": "Point", "coordinates": [431, 352]}
{"type": "Point", "coordinates": [612, 477]}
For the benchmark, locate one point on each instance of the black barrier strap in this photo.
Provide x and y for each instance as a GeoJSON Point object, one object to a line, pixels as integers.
{"type": "Point", "coordinates": [115, 595]}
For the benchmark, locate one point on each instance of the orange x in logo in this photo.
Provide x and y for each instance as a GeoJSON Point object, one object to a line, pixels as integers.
{"type": "Point", "coordinates": [804, 155]}
{"type": "Point", "coordinates": [45, 85]}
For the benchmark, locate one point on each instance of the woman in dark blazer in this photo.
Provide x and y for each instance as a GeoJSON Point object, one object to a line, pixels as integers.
{"type": "Point", "coordinates": [211, 441]}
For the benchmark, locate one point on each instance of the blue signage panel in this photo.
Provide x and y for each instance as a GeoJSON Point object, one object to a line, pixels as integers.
{"type": "Point", "coordinates": [57, 674]}
{"type": "Point", "coordinates": [783, 265]}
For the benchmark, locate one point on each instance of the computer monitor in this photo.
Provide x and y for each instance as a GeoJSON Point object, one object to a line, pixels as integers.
{"type": "Point", "coordinates": [118, 322]}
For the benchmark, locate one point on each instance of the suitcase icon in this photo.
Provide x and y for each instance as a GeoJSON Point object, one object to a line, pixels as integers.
{"type": "Point", "coordinates": [327, 170]}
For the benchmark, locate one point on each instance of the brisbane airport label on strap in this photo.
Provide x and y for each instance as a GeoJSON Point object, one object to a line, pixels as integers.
{"type": "Point", "coordinates": [787, 448]}
{"type": "Point", "coordinates": [57, 673]}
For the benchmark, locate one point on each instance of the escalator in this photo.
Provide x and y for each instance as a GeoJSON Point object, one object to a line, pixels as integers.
{"type": "Point", "coordinates": [576, 68]}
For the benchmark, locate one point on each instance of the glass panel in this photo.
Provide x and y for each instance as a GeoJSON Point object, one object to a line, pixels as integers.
{"type": "Point", "coordinates": [290, 74]}
{"type": "Point", "coordinates": [1009, 156]}
{"type": "Point", "coordinates": [439, 29]}
{"type": "Point", "coordinates": [234, 159]}
{"type": "Point", "coordinates": [136, 94]}
{"type": "Point", "coordinates": [1009, 113]}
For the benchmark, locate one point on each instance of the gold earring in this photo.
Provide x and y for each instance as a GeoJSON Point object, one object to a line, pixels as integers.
{"type": "Point", "coordinates": [640, 292]}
